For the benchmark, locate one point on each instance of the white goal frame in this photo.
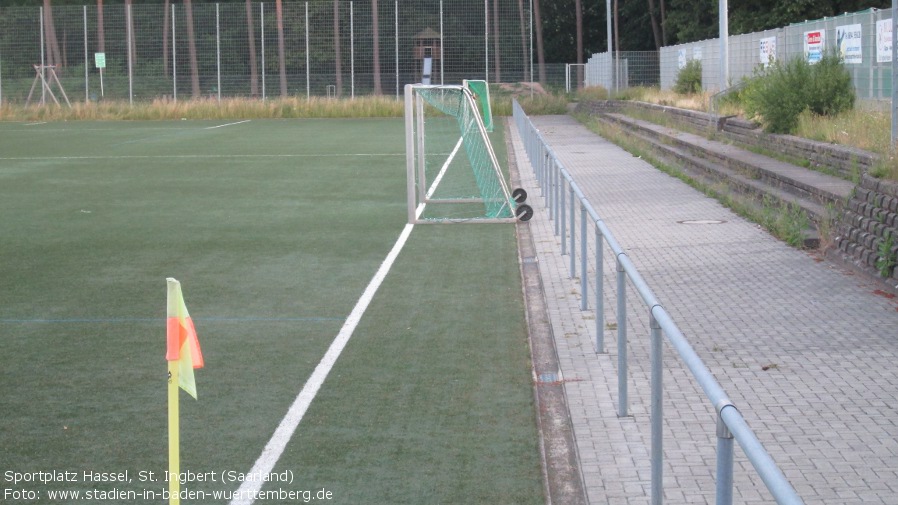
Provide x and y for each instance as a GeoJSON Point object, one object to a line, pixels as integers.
{"type": "Point", "coordinates": [419, 195]}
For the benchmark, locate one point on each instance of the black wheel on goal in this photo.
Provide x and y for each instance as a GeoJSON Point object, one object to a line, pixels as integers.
{"type": "Point", "coordinates": [519, 195]}
{"type": "Point", "coordinates": [523, 212]}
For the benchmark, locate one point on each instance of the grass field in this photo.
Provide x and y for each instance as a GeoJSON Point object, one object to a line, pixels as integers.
{"type": "Point", "coordinates": [274, 228]}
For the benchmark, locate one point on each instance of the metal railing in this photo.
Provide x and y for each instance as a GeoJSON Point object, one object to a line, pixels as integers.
{"type": "Point", "coordinates": [562, 199]}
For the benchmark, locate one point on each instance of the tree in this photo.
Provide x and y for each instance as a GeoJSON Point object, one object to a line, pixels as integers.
{"type": "Point", "coordinates": [282, 66]}
{"type": "Point", "coordinates": [656, 30]}
{"type": "Point", "coordinates": [166, 26]}
{"type": "Point", "coordinates": [375, 30]}
{"type": "Point", "coordinates": [191, 48]}
{"type": "Point", "coordinates": [250, 35]}
{"type": "Point", "coordinates": [578, 12]}
{"type": "Point", "coordinates": [540, 52]}
{"type": "Point", "coordinates": [52, 44]}
{"type": "Point", "coordinates": [496, 45]}
{"type": "Point", "coordinates": [101, 36]}
{"type": "Point", "coordinates": [338, 60]}
{"type": "Point", "coordinates": [524, 50]}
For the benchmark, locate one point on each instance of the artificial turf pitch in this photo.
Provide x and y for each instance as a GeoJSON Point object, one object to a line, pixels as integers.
{"type": "Point", "coordinates": [274, 228]}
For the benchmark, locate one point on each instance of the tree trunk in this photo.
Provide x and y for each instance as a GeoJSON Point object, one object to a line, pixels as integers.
{"type": "Point", "coordinates": [50, 41]}
{"type": "Point", "coordinates": [496, 45]}
{"type": "Point", "coordinates": [191, 47]}
{"type": "Point", "coordinates": [251, 37]}
{"type": "Point", "coordinates": [663, 23]}
{"type": "Point", "coordinates": [656, 31]}
{"type": "Point", "coordinates": [540, 52]}
{"type": "Point", "coordinates": [101, 35]}
{"type": "Point", "coordinates": [166, 25]}
{"type": "Point", "coordinates": [578, 8]}
{"type": "Point", "coordinates": [375, 30]}
{"type": "Point", "coordinates": [524, 49]}
{"type": "Point", "coordinates": [338, 60]}
{"type": "Point", "coordinates": [282, 58]}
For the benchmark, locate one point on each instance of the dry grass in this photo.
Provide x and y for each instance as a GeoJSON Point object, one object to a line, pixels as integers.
{"type": "Point", "coordinates": [860, 128]}
{"type": "Point", "coordinates": [864, 129]}
{"type": "Point", "coordinates": [230, 108]}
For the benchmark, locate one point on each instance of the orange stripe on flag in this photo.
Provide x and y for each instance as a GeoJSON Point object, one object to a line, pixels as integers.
{"type": "Point", "coordinates": [180, 332]}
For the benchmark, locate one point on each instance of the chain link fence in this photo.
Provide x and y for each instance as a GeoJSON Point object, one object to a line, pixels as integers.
{"type": "Point", "coordinates": [314, 48]}
{"type": "Point", "coordinates": [864, 39]}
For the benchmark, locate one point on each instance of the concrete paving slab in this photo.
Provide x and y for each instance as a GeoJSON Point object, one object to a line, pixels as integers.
{"type": "Point", "coordinates": [805, 349]}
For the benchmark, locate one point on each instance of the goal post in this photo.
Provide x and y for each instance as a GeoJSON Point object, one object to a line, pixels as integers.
{"type": "Point", "coordinates": [452, 171]}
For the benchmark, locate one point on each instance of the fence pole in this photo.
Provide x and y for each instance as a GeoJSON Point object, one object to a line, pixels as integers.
{"type": "Point", "coordinates": [262, 26]}
{"type": "Point", "coordinates": [130, 56]}
{"type": "Point", "coordinates": [657, 410]}
{"type": "Point", "coordinates": [486, 40]}
{"type": "Point", "coordinates": [174, 55]}
{"type": "Point", "coordinates": [86, 65]}
{"type": "Point", "coordinates": [218, 50]}
{"type": "Point", "coordinates": [43, 60]}
{"type": "Point", "coordinates": [894, 104]}
{"type": "Point", "coordinates": [396, 41]}
{"type": "Point", "coordinates": [351, 51]}
{"type": "Point", "coordinates": [610, 49]}
{"type": "Point", "coordinates": [442, 56]}
{"type": "Point", "coordinates": [621, 340]}
{"type": "Point", "coordinates": [309, 68]}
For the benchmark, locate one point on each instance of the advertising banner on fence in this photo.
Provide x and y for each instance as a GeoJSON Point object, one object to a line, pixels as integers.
{"type": "Point", "coordinates": [768, 50]}
{"type": "Point", "coordinates": [848, 40]}
{"type": "Point", "coordinates": [884, 40]}
{"type": "Point", "coordinates": [814, 43]}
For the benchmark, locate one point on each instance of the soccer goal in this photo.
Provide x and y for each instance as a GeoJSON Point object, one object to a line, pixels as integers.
{"type": "Point", "coordinates": [453, 173]}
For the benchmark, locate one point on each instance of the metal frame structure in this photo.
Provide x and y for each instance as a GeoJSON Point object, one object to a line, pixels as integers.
{"type": "Point", "coordinates": [419, 189]}
{"type": "Point", "coordinates": [555, 182]}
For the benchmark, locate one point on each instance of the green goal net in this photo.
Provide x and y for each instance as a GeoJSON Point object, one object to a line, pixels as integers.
{"type": "Point", "coordinates": [452, 169]}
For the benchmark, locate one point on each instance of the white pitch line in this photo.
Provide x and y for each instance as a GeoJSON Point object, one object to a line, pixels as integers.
{"type": "Point", "coordinates": [35, 124]}
{"type": "Point", "coordinates": [284, 432]}
{"type": "Point", "coordinates": [229, 124]}
{"type": "Point", "coordinates": [436, 182]}
{"type": "Point", "coordinates": [193, 156]}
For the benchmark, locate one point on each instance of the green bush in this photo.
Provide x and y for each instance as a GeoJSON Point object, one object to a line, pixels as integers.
{"type": "Point", "coordinates": [830, 90]}
{"type": "Point", "coordinates": [689, 80]}
{"type": "Point", "coordinates": [780, 93]}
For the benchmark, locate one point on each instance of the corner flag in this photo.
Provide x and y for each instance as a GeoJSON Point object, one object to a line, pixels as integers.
{"type": "Point", "coordinates": [182, 345]}
{"type": "Point", "coordinates": [183, 355]}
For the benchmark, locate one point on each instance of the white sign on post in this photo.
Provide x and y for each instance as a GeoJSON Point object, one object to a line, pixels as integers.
{"type": "Point", "coordinates": [100, 62]}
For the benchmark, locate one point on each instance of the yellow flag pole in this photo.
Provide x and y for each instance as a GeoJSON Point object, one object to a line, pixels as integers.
{"type": "Point", "coordinates": [174, 437]}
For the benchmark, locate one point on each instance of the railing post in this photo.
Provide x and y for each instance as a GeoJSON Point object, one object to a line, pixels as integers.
{"type": "Point", "coordinates": [584, 288]}
{"type": "Point", "coordinates": [657, 410]}
{"type": "Point", "coordinates": [621, 340]}
{"type": "Point", "coordinates": [724, 462]}
{"type": "Point", "coordinates": [600, 290]}
{"type": "Point", "coordinates": [562, 219]}
{"type": "Point", "coordinates": [573, 232]}
{"type": "Point", "coordinates": [556, 175]}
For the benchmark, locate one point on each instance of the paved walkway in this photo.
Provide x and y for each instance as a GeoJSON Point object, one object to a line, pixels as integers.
{"type": "Point", "coordinates": [805, 349]}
